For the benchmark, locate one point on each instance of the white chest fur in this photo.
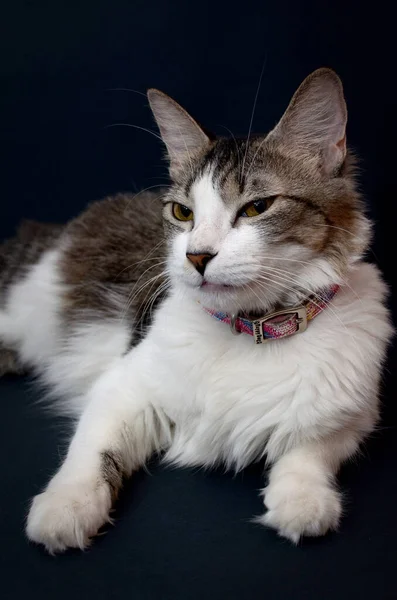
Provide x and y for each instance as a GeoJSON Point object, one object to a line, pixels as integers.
{"type": "Point", "coordinates": [232, 400]}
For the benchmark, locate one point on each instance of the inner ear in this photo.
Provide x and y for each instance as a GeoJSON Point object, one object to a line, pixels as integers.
{"type": "Point", "coordinates": [181, 134]}
{"type": "Point", "coordinates": [315, 120]}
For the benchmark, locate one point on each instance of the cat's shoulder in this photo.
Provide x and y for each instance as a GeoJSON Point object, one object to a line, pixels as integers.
{"type": "Point", "coordinates": [364, 288]}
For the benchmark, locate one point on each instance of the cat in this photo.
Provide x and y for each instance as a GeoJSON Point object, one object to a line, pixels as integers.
{"type": "Point", "coordinates": [182, 343]}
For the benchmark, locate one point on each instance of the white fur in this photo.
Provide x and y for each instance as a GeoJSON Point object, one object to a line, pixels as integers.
{"type": "Point", "coordinates": [68, 361]}
{"type": "Point", "coordinates": [82, 356]}
{"type": "Point", "coordinates": [232, 401]}
{"type": "Point", "coordinates": [29, 319]}
{"type": "Point", "coordinates": [202, 395]}
{"type": "Point", "coordinates": [66, 515]}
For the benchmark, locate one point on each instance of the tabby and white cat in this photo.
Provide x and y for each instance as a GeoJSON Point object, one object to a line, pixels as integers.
{"type": "Point", "coordinates": [252, 226]}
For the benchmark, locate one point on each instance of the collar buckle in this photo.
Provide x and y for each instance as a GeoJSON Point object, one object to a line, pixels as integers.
{"type": "Point", "coordinates": [299, 312]}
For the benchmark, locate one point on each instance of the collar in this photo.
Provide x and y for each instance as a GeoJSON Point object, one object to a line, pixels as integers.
{"type": "Point", "coordinates": [281, 323]}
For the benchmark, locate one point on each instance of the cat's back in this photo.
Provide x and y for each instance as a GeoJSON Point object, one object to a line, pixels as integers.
{"type": "Point", "coordinates": [100, 244]}
{"type": "Point", "coordinates": [110, 234]}
{"type": "Point", "coordinates": [25, 249]}
{"type": "Point", "coordinates": [112, 249]}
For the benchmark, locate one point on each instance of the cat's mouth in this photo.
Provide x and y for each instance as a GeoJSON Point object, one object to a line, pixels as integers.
{"type": "Point", "coordinates": [207, 286]}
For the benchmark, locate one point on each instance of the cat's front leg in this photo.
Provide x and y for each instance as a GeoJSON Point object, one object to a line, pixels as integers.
{"type": "Point", "coordinates": [302, 498]}
{"type": "Point", "coordinates": [116, 434]}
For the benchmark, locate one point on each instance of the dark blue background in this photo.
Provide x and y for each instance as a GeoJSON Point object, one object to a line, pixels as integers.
{"type": "Point", "coordinates": [185, 534]}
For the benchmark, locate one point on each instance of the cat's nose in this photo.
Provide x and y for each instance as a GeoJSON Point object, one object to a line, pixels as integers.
{"type": "Point", "coordinates": [200, 261]}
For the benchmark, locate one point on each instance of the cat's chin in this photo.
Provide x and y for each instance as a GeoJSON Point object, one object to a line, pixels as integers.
{"type": "Point", "coordinates": [217, 288]}
{"type": "Point", "coordinates": [228, 298]}
{"type": "Point", "coordinates": [220, 297]}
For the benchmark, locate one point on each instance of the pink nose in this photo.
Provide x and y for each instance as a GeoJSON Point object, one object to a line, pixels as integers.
{"type": "Point", "coordinates": [200, 261]}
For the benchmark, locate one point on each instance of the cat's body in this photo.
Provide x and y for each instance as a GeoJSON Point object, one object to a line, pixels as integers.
{"type": "Point", "coordinates": [190, 388]}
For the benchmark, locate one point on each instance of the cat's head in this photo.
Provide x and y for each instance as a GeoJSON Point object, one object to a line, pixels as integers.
{"type": "Point", "coordinates": [255, 223]}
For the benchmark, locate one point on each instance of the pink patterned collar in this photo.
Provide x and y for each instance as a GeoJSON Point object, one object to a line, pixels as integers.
{"type": "Point", "coordinates": [281, 323]}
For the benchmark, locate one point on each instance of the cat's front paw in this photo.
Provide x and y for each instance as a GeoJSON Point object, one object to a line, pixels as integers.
{"type": "Point", "coordinates": [299, 505]}
{"type": "Point", "coordinates": [67, 515]}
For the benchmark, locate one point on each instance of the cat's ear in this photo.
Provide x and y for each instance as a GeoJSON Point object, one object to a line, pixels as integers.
{"type": "Point", "coordinates": [181, 134]}
{"type": "Point", "coordinates": [315, 120]}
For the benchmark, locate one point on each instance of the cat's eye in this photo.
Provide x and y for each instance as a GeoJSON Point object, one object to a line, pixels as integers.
{"type": "Point", "coordinates": [255, 208]}
{"type": "Point", "coordinates": [181, 212]}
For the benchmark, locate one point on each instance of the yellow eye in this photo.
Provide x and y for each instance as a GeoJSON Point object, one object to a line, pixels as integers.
{"type": "Point", "coordinates": [255, 208]}
{"type": "Point", "coordinates": [181, 212]}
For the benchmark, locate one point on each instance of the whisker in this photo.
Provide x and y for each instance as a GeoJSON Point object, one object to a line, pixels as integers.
{"type": "Point", "coordinates": [149, 296]}
{"type": "Point", "coordinates": [291, 279]}
{"type": "Point", "coordinates": [150, 303]}
{"type": "Point", "coordinates": [303, 262]}
{"type": "Point", "coordinates": [132, 298]}
{"type": "Point", "coordinates": [254, 157]}
{"type": "Point", "coordinates": [122, 89]}
{"type": "Point", "coordinates": [135, 127]}
{"type": "Point", "coordinates": [339, 228]}
{"type": "Point", "coordinates": [329, 308]}
{"type": "Point", "coordinates": [237, 148]}
{"type": "Point", "coordinates": [274, 257]}
{"type": "Point", "coordinates": [349, 232]}
{"type": "Point", "coordinates": [136, 292]}
{"type": "Point", "coordinates": [344, 282]}
{"type": "Point", "coordinates": [140, 262]}
{"type": "Point", "coordinates": [250, 286]}
{"type": "Point", "coordinates": [165, 286]}
{"type": "Point", "coordinates": [252, 116]}
{"type": "Point", "coordinates": [187, 152]}
{"type": "Point", "coordinates": [151, 187]}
